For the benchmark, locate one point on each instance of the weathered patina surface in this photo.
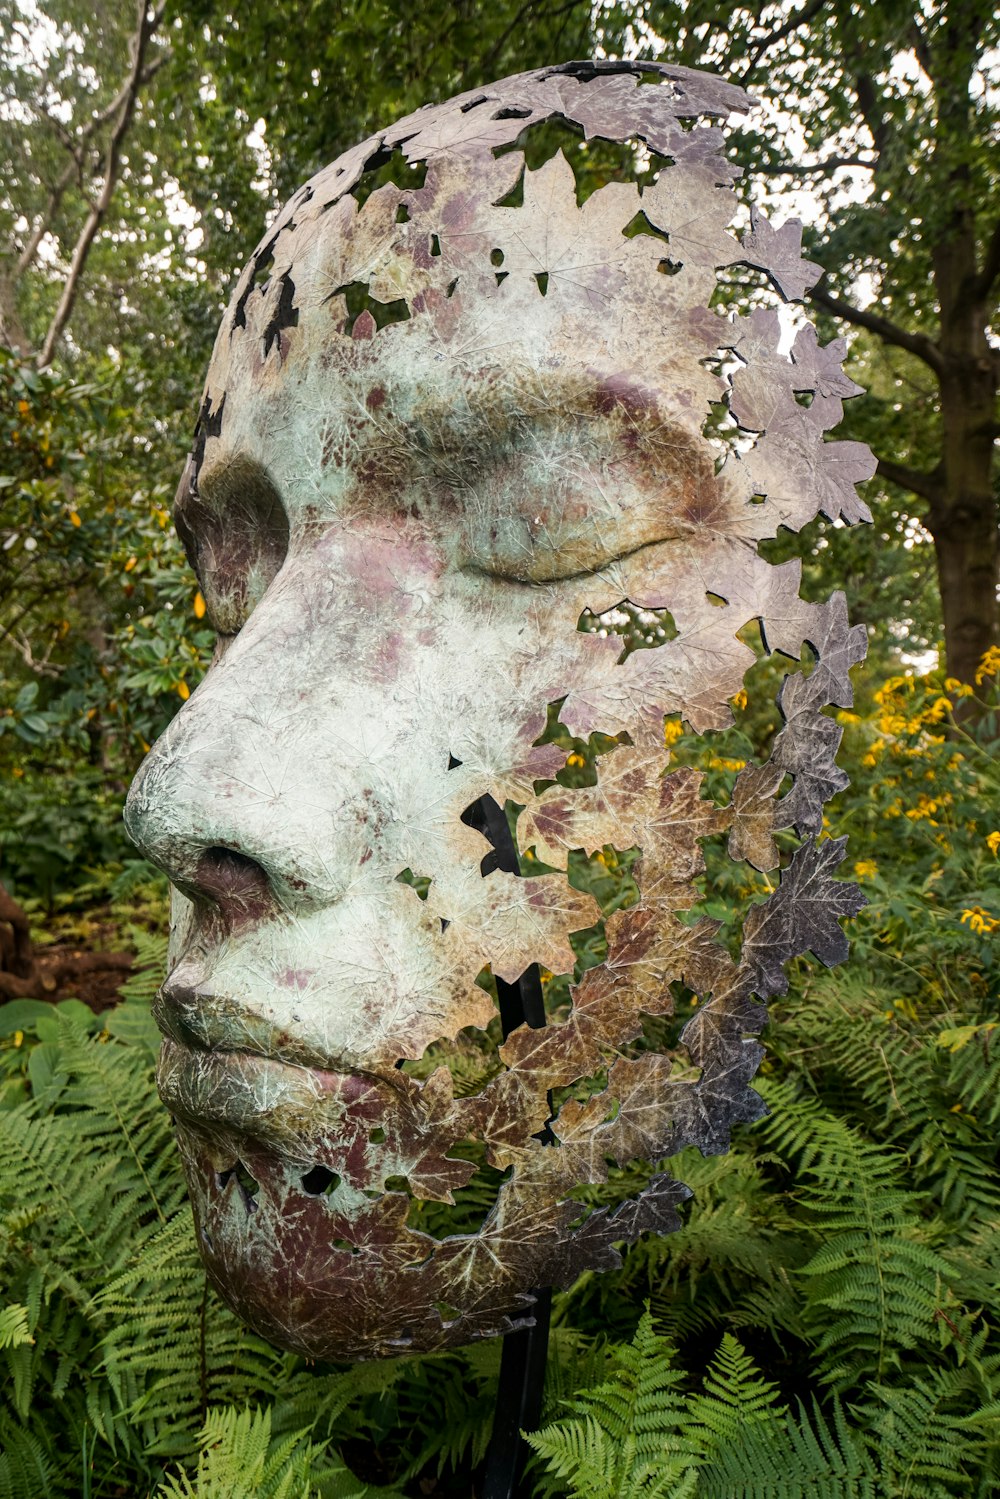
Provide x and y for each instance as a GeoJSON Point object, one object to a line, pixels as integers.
{"type": "Point", "coordinates": [445, 421]}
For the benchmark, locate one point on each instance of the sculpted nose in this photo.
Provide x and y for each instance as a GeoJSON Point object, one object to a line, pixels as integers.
{"type": "Point", "coordinates": [193, 812]}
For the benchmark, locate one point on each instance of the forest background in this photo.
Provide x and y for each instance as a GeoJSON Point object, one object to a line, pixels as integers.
{"type": "Point", "coordinates": [824, 1321]}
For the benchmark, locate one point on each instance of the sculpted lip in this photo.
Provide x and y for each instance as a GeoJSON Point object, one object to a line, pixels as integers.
{"type": "Point", "coordinates": [281, 1103]}
{"type": "Point", "coordinates": [189, 1012]}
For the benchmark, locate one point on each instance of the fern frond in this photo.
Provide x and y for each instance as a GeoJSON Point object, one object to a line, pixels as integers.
{"type": "Point", "coordinates": [27, 1469]}
{"type": "Point", "coordinates": [624, 1439]}
{"type": "Point", "coordinates": [171, 1347]}
{"type": "Point", "coordinates": [238, 1457]}
{"type": "Point", "coordinates": [14, 1328]}
{"type": "Point", "coordinates": [733, 1394]}
{"type": "Point", "coordinates": [793, 1459]}
{"type": "Point", "coordinates": [873, 1286]}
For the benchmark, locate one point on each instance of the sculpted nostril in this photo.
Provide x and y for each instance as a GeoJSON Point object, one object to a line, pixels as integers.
{"type": "Point", "coordinates": [235, 883]}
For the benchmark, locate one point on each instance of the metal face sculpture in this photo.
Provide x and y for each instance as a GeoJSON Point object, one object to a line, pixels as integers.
{"type": "Point", "coordinates": [451, 423]}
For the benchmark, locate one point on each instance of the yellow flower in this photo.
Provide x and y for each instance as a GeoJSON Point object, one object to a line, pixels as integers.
{"type": "Point", "coordinates": [23, 407]}
{"type": "Point", "coordinates": [183, 691]}
{"type": "Point", "coordinates": [844, 717]}
{"type": "Point", "coordinates": [952, 684]}
{"type": "Point", "coordinates": [673, 730]}
{"type": "Point", "coordinates": [723, 762]}
{"type": "Point", "coordinates": [866, 869]}
{"type": "Point", "coordinates": [980, 921]}
{"type": "Point", "coordinates": [574, 759]}
{"type": "Point", "coordinates": [74, 517]}
{"type": "Point", "coordinates": [18, 1038]}
{"type": "Point", "coordinates": [199, 605]}
{"type": "Point", "coordinates": [993, 843]}
{"type": "Point", "coordinates": [989, 665]}
{"type": "Point", "coordinates": [740, 700]}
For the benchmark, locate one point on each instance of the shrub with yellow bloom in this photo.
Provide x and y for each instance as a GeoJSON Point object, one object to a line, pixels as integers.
{"type": "Point", "coordinates": [989, 666]}
{"type": "Point", "coordinates": [980, 920]}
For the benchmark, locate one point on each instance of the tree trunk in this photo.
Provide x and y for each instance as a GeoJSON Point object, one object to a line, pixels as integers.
{"type": "Point", "coordinates": [963, 521]}
{"type": "Point", "coordinates": [962, 517]}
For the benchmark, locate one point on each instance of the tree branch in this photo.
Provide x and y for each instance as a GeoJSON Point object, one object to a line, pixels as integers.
{"type": "Point", "coordinates": [145, 27]}
{"type": "Point", "coordinates": [871, 112]}
{"type": "Point", "coordinates": [800, 18]}
{"type": "Point", "coordinates": [829, 165]}
{"type": "Point", "coordinates": [928, 486]}
{"type": "Point", "coordinates": [75, 166]}
{"type": "Point", "coordinates": [918, 344]}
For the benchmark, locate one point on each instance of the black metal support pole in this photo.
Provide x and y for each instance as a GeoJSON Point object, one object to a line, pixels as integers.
{"type": "Point", "coordinates": [522, 1363]}
{"type": "Point", "coordinates": [519, 1402]}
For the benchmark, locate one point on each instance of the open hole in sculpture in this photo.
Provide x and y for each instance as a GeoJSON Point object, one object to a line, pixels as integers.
{"type": "Point", "coordinates": [359, 301]}
{"type": "Point", "coordinates": [247, 1184]}
{"type": "Point", "coordinates": [285, 314]}
{"type": "Point", "coordinates": [580, 768]}
{"type": "Point", "coordinates": [419, 883]}
{"type": "Point", "coordinates": [593, 162]}
{"type": "Point", "coordinates": [471, 1057]}
{"type": "Point", "coordinates": [498, 826]}
{"type": "Point", "coordinates": [386, 166]}
{"type": "Point", "coordinates": [724, 433]}
{"type": "Point", "coordinates": [257, 281]}
{"type": "Point", "coordinates": [640, 224]}
{"type": "Point", "coordinates": [320, 1181]}
{"type": "Point", "coordinates": [639, 628]}
{"type": "Point", "coordinates": [741, 287]}
{"type": "Point", "coordinates": [580, 1091]}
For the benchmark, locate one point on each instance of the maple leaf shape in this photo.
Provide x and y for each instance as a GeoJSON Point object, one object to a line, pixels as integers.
{"type": "Point", "coordinates": [779, 253]}
{"type": "Point", "coordinates": [753, 815]}
{"type": "Point", "coordinates": [819, 367]}
{"type": "Point", "coordinates": [593, 1244]}
{"type": "Point", "coordinates": [807, 748]}
{"type": "Point", "coordinates": [803, 915]}
{"type": "Point", "coordinates": [581, 249]}
{"type": "Point", "coordinates": [687, 203]}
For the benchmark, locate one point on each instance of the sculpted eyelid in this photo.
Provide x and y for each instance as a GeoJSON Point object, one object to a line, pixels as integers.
{"type": "Point", "coordinates": [477, 569]}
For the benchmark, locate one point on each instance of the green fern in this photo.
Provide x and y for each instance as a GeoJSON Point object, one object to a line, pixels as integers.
{"type": "Point", "coordinates": [625, 1438]}
{"type": "Point", "coordinates": [733, 1395]}
{"type": "Point", "coordinates": [793, 1459]}
{"type": "Point", "coordinates": [874, 1285]}
{"type": "Point", "coordinates": [238, 1457]}
{"type": "Point", "coordinates": [27, 1469]}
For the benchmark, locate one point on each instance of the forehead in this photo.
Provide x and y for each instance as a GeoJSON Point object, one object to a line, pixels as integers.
{"type": "Point", "coordinates": [477, 282]}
